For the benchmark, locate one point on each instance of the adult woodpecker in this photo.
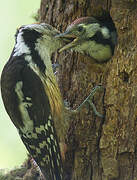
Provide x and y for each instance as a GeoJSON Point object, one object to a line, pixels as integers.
{"type": "Point", "coordinates": [94, 37]}
{"type": "Point", "coordinates": [32, 97]}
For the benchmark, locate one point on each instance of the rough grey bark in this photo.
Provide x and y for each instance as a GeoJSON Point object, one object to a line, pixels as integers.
{"type": "Point", "coordinates": [100, 149]}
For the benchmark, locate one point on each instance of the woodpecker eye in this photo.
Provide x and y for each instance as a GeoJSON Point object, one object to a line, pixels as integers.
{"type": "Point", "coordinates": [80, 28]}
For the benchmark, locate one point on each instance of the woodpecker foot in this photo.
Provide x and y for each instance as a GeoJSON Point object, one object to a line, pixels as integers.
{"type": "Point", "coordinates": [54, 67]}
{"type": "Point", "coordinates": [89, 101]}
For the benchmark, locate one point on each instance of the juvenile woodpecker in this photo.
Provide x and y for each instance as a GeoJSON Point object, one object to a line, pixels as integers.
{"type": "Point", "coordinates": [32, 97]}
{"type": "Point", "coordinates": [94, 37]}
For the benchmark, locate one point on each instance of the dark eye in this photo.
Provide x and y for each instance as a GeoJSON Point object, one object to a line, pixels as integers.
{"type": "Point", "coordinates": [80, 28]}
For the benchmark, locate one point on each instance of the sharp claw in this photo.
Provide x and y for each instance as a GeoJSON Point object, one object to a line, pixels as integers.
{"type": "Point", "coordinates": [55, 66]}
{"type": "Point", "coordinates": [95, 110]}
{"type": "Point", "coordinates": [89, 100]}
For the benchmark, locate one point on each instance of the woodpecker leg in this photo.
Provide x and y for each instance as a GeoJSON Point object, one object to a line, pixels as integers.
{"type": "Point", "coordinates": [89, 100]}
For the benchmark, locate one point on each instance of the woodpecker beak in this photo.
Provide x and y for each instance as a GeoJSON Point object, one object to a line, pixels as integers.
{"type": "Point", "coordinates": [73, 40]}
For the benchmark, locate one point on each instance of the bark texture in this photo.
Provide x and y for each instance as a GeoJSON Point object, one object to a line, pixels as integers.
{"type": "Point", "coordinates": [100, 149]}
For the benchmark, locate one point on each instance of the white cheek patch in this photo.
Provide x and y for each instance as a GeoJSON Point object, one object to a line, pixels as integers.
{"type": "Point", "coordinates": [105, 32]}
{"type": "Point", "coordinates": [21, 47]}
{"type": "Point", "coordinates": [28, 123]}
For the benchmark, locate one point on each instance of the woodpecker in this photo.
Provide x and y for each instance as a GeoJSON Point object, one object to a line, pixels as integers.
{"type": "Point", "coordinates": [32, 98]}
{"type": "Point", "coordinates": [94, 37]}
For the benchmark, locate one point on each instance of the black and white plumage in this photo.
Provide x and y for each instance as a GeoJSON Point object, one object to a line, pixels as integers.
{"type": "Point", "coordinates": [32, 98]}
{"type": "Point", "coordinates": [94, 37]}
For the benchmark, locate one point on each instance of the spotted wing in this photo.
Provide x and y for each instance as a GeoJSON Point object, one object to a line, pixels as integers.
{"type": "Point", "coordinates": [28, 106]}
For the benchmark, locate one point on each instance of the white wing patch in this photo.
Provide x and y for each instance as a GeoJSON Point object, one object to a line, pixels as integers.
{"type": "Point", "coordinates": [28, 123]}
{"type": "Point", "coordinates": [32, 65]}
{"type": "Point", "coordinates": [40, 129]}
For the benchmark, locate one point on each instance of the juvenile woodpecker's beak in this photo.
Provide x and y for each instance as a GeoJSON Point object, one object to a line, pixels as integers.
{"type": "Point", "coordinates": [73, 40]}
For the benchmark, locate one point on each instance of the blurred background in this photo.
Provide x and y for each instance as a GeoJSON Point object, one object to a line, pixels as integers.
{"type": "Point", "coordinates": [13, 14]}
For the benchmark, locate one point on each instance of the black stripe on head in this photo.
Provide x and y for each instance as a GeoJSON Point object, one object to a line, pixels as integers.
{"type": "Point", "coordinates": [106, 20]}
{"type": "Point", "coordinates": [99, 39]}
{"type": "Point", "coordinates": [30, 37]}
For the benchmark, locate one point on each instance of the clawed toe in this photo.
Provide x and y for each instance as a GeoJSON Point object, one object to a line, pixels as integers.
{"type": "Point", "coordinates": [88, 100]}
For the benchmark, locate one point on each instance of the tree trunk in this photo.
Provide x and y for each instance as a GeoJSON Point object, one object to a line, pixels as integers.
{"type": "Point", "coordinates": [100, 148]}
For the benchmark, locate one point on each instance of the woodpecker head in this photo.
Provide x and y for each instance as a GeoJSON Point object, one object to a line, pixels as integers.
{"type": "Point", "coordinates": [92, 37]}
{"type": "Point", "coordinates": [35, 37]}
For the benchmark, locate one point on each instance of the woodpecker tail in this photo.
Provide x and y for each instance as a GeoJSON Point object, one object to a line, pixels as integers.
{"type": "Point", "coordinates": [43, 145]}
